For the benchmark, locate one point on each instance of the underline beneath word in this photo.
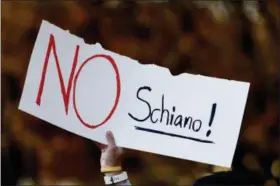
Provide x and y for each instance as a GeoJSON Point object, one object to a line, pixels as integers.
{"type": "Point", "coordinates": [172, 135]}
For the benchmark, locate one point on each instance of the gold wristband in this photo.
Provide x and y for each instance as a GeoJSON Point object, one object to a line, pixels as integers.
{"type": "Point", "coordinates": [111, 169]}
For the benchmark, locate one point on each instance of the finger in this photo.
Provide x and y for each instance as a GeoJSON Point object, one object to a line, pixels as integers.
{"type": "Point", "coordinates": [110, 139]}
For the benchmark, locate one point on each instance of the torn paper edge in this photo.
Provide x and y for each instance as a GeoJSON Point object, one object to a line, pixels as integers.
{"type": "Point", "coordinates": [152, 65]}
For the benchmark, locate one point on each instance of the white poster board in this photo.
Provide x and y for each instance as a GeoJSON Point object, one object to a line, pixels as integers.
{"type": "Point", "coordinates": [88, 90]}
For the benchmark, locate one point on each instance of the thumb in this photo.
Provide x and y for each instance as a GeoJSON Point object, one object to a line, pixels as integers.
{"type": "Point", "coordinates": [110, 140]}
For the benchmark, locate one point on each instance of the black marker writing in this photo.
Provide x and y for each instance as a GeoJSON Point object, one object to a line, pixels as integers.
{"type": "Point", "coordinates": [163, 115]}
{"type": "Point", "coordinates": [172, 135]}
{"type": "Point", "coordinates": [141, 120]}
{"type": "Point", "coordinates": [213, 111]}
{"type": "Point", "coordinates": [169, 118]}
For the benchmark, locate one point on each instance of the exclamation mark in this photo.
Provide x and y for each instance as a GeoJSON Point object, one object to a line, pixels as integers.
{"type": "Point", "coordinates": [213, 111]}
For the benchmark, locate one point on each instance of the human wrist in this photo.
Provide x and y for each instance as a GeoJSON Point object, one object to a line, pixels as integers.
{"type": "Point", "coordinates": [116, 178]}
{"type": "Point", "coordinates": [111, 169]}
{"type": "Point", "coordinates": [112, 173]}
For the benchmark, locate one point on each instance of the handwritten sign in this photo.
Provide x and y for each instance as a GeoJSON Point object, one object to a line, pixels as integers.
{"type": "Point", "coordinates": [88, 90]}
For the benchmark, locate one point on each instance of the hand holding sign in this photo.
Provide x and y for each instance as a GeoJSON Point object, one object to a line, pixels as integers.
{"type": "Point", "coordinates": [88, 90]}
{"type": "Point", "coordinates": [110, 154]}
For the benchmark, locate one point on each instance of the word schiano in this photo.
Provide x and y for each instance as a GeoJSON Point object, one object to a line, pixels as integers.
{"type": "Point", "coordinates": [163, 115]}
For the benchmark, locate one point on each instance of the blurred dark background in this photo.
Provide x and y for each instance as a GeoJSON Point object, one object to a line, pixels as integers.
{"type": "Point", "coordinates": [232, 40]}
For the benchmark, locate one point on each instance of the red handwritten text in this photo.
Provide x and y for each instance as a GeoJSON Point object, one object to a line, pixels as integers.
{"type": "Point", "coordinates": [66, 92]}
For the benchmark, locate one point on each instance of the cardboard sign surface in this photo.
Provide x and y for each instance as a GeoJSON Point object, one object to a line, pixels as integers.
{"type": "Point", "coordinates": [88, 90]}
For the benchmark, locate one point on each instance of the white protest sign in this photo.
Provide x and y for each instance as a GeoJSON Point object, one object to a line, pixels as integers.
{"type": "Point", "coordinates": [88, 90]}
